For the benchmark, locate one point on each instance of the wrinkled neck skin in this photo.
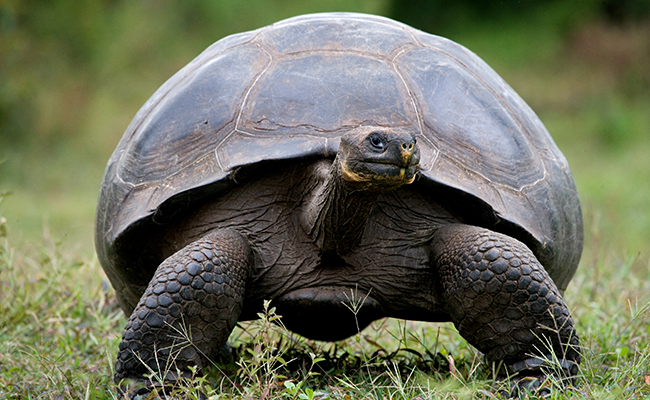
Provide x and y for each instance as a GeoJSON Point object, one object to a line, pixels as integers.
{"type": "Point", "coordinates": [336, 210]}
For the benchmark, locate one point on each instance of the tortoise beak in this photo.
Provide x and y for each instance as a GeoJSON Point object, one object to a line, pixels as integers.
{"type": "Point", "coordinates": [407, 149]}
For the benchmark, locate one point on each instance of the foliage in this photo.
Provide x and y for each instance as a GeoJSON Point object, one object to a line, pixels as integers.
{"type": "Point", "coordinates": [449, 17]}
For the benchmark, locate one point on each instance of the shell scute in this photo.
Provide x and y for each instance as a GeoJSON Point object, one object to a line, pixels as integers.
{"type": "Point", "coordinates": [326, 93]}
{"type": "Point", "coordinates": [327, 33]}
{"type": "Point", "coordinates": [187, 121]}
{"type": "Point", "coordinates": [470, 122]}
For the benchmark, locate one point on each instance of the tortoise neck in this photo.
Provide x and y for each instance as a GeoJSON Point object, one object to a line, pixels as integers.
{"type": "Point", "coordinates": [337, 211]}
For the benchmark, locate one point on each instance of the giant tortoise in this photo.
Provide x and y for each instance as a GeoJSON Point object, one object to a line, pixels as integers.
{"type": "Point", "coordinates": [336, 152]}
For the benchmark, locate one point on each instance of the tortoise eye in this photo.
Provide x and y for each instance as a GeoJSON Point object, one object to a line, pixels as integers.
{"type": "Point", "coordinates": [377, 142]}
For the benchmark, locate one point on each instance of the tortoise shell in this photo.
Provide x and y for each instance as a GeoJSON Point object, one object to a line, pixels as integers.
{"type": "Point", "coordinates": [290, 90]}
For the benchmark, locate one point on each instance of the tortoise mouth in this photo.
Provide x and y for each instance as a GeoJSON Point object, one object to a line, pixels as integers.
{"type": "Point", "coordinates": [379, 158]}
{"type": "Point", "coordinates": [378, 172]}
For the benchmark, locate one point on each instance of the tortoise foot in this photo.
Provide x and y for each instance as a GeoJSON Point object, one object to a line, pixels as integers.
{"type": "Point", "coordinates": [539, 376]}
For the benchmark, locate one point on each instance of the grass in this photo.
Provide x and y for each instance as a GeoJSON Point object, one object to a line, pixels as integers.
{"type": "Point", "coordinates": [59, 320]}
{"type": "Point", "coordinates": [57, 325]}
{"type": "Point", "coordinates": [60, 327]}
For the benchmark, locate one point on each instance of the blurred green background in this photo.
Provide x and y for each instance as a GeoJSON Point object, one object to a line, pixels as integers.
{"type": "Point", "coordinates": [74, 72]}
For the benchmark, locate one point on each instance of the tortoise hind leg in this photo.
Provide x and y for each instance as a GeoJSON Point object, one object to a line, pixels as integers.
{"type": "Point", "coordinates": [504, 303]}
{"type": "Point", "coordinates": [188, 310]}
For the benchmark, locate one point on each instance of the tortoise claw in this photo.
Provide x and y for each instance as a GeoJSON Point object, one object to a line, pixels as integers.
{"type": "Point", "coordinates": [519, 387]}
{"type": "Point", "coordinates": [569, 369]}
{"type": "Point", "coordinates": [532, 376]}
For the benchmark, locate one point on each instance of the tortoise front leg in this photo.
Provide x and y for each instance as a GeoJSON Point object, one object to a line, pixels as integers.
{"type": "Point", "coordinates": [503, 301]}
{"type": "Point", "coordinates": [196, 294]}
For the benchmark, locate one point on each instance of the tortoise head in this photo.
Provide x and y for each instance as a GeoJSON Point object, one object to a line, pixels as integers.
{"type": "Point", "coordinates": [379, 158]}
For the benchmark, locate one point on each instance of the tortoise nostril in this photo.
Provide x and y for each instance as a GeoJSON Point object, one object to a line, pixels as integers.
{"type": "Point", "coordinates": [407, 146]}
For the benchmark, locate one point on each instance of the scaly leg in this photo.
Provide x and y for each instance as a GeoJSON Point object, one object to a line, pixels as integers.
{"type": "Point", "coordinates": [195, 294]}
{"type": "Point", "coordinates": [504, 303]}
